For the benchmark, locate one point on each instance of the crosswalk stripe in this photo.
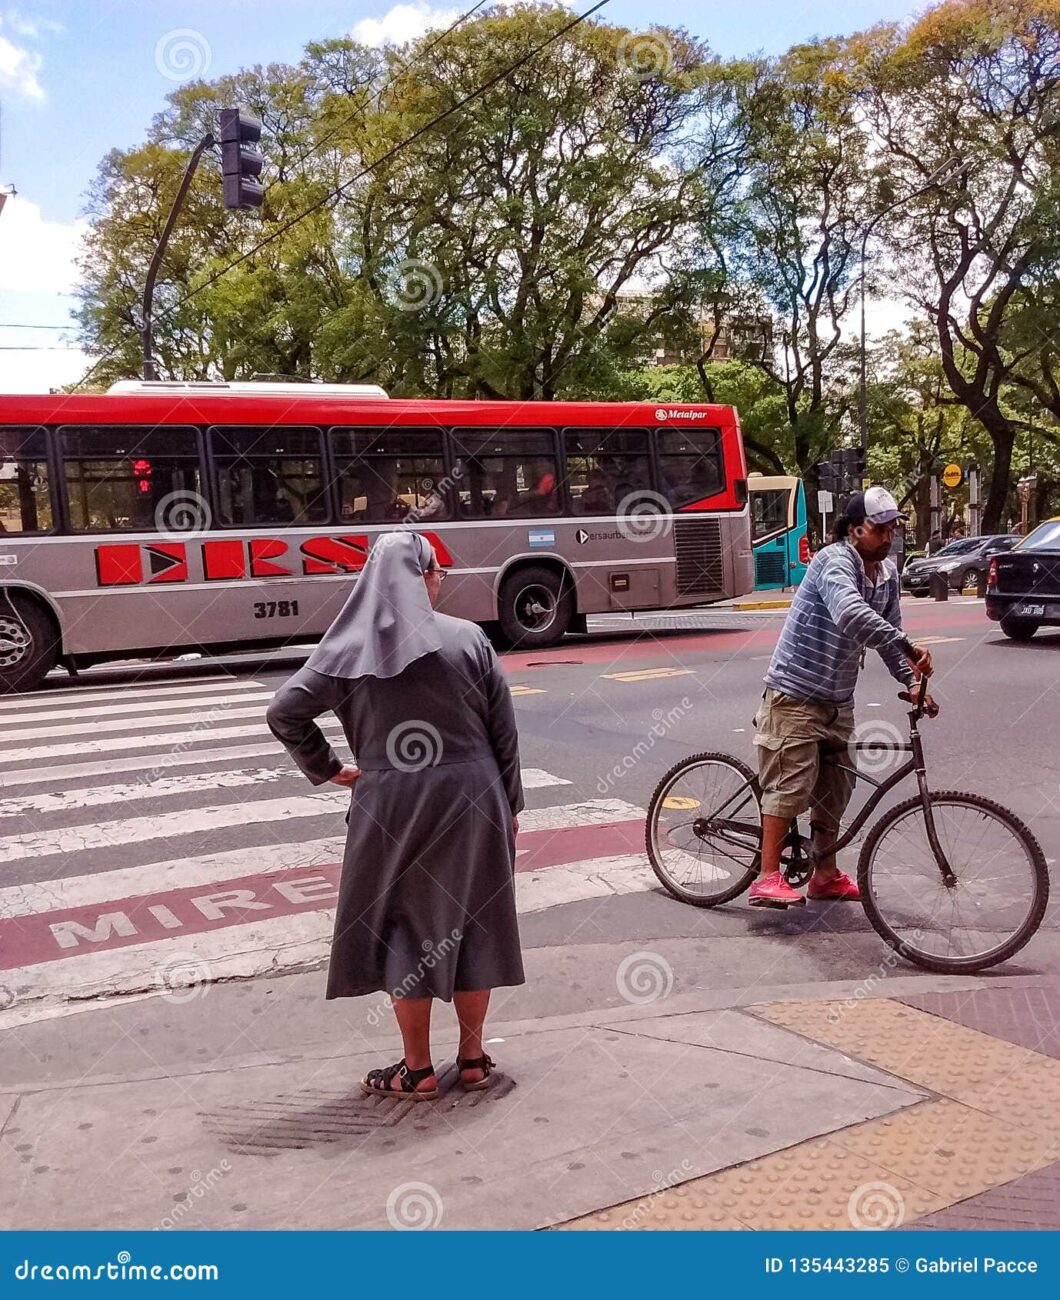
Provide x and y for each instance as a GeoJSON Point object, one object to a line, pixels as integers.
{"type": "Point", "coordinates": [206, 820]}
{"type": "Point", "coordinates": [52, 801]}
{"type": "Point", "coordinates": [254, 947]}
{"type": "Point", "coordinates": [183, 872]}
{"type": "Point", "coordinates": [166, 787]}
{"type": "Point", "coordinates": [185, 686]}
{"type": "Point", "coordinates": [139, 706]}
{"type": "Point", "coordinates": [74, 727]}
{"type": "Point", "coordinates": [147, 763]}
{"type": "Point", "coordinates": [178, 739]}
{"type": "Point", "coordinates": [101, 887]}
{"type": "Point", "coordinates": [527, 690]}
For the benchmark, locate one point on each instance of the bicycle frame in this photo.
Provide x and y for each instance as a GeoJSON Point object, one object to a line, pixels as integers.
{"type": "Point", "coordinates": [915, 747]}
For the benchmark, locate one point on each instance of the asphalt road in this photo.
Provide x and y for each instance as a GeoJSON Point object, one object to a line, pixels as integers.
{"type": "Point", "coordinates": [601, 719]}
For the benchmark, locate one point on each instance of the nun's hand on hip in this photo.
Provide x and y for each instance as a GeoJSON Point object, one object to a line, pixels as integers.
{"type": "Point", "coordinates": [346, 775]}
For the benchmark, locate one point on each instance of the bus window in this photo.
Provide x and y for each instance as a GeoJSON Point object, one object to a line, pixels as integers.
{"type": "Point", "coordinates": [269, 476]}
{"type": "Point", "coordinates": [25, 504]}
{"type": "Point", "coordinates": [606, 468]}
{"type": "Point", "coordinates": [769, 512]}
{"type": "Point", "coordinates": [119, 477]}
{"type": "Point", "coordinates": [386, 477]}
{"type": "Point", "coordinates": [506, 473]}
{"type": "Point", "coordinates": [690, 464]}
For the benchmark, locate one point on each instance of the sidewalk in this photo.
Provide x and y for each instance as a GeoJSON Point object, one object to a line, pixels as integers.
{"type": "Point", "coordinates": [235, 1106]}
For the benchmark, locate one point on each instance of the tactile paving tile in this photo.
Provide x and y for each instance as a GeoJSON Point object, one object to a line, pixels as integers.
{"type": "Point", "coordinates": [1029, 1203]}
{"type": "Point", "coordinates": [1028, 1099]}
{"type": "Point", "coordinates": [815, 1185]}
{"type": "Point", "coordinates": [938, 1054]}
{"type": "Point", "coordinates": [949, 1148]}
{"type": "Point", "coordinates": [687, 1208]}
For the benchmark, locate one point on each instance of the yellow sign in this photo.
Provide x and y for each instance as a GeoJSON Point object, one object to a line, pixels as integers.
{"type": "Point", "coordinates": [952, 476]}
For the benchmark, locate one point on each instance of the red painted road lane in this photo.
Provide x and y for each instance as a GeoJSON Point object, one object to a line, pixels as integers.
{"type": "Point", "coordinates": [632, 647]}
{"type": "Point", "coordinates": [121, 922]}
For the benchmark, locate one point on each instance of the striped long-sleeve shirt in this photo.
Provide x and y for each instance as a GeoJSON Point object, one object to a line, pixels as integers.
{"type": "Point", "coordinates": [835, 615]}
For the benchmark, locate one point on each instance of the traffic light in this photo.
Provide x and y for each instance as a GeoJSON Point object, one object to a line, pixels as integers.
{"type": "Point", "coordinates": [241, 163]}
{"type": "Point", "coordinates": [827, 478]}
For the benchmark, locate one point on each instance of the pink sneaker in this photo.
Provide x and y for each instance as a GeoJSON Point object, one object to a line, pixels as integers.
{"type": "Point", "coordinates": [774, 891]}
{"type": "Point", "coordinates": [841, 888]}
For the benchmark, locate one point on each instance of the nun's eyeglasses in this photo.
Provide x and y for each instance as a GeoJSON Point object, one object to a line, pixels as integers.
{"type": "Point", "coordinates": [440, 574]}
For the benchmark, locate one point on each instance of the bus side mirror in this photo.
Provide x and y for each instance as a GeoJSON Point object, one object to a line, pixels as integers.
{"type": "Point", "coordinates": [741, 491]}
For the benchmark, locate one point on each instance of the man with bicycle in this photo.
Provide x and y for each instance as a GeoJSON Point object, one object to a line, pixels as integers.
{"type": "Point", "coordinates": [848, 602]}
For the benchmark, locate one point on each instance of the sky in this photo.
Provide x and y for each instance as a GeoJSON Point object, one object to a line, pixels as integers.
{"type": "Point", "coordinates": [81, 77]}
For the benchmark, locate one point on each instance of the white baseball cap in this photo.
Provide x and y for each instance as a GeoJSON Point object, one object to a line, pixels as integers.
{"type": "Point", "coordinates": [875, 505]}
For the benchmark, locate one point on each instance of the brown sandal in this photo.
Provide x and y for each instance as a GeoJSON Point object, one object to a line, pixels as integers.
{"type": "Point", "coordinates": [377, 1083]}
{"type": "Point", "coordinates": [476, 1063]}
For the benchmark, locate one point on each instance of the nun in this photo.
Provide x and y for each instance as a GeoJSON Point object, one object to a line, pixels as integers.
{"type": "Point", "coordinates": [426, 905]}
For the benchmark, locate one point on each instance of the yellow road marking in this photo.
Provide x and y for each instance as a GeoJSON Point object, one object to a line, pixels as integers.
{"type": "Point", "coordinates": [527, 690]}
{"type": "Point", "coordinates": [935, 640]}
{"type": "Point", "coordinates": [680, 802]}
{"type": "Point", "coordinates": [648, 674]}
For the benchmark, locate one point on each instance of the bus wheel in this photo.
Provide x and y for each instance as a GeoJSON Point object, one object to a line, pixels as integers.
{"type": "Point", "coordinates": [535, 608]}
{"type": "Point", "coordinates": [29, 645]}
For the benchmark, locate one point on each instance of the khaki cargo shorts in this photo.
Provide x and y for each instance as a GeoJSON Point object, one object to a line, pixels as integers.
{"type": "Point", "coordinates": [788, 740]}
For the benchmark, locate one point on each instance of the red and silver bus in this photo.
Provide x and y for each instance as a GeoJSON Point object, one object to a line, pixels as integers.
{"type": "Point", "coordinates": [162, 518]}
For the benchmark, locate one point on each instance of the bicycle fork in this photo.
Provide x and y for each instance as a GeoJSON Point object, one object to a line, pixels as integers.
{"type": "Point", "coordinates": [945, 870]}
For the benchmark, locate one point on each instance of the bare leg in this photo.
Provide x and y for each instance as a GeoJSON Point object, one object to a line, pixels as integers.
{"type": "Point", "coordinates": [825, 830]}
{"type": "Point", "coordinates": [471, 1007]}
{"type": "Point", "coordinates": [414, 1021]}
{"type": "Point", "coordinates": [774, 833]}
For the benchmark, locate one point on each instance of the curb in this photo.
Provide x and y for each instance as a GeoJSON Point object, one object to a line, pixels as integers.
{"type": "Point", "coordinates": [763, 604]}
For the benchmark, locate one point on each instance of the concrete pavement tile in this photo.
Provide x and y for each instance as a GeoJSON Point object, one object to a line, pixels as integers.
{"type": "Point", "coordinates": [294, 1145]}
{"type": "Point", "coordinates": [745, 1035]}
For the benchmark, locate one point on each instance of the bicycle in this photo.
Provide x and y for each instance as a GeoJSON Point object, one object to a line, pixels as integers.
{"type": "Point", "coordinates": [969, 894]}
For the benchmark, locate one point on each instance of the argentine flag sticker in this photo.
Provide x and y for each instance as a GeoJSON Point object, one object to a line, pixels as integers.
{"type": "Point", "coordinates": [541, 537]}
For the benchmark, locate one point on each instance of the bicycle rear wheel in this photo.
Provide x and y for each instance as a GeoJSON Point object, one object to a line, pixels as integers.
{"type": "Point", "coordinates": [995, 904]}
{"type": "Point", "coordinates": [704, 829]}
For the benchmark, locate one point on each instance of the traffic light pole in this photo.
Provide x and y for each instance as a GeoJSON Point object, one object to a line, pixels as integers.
{"type": "Point", "coordinates": [150, 369]}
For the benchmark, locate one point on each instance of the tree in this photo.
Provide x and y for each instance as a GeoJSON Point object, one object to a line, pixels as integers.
{"type": "Point", "coordinates": [974, 80]}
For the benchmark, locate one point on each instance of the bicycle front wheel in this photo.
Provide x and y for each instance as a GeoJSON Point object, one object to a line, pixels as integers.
{"type": "Point", "coordinates": [991, 909]}
{"type": "Point", "coordinates": [704, 830]}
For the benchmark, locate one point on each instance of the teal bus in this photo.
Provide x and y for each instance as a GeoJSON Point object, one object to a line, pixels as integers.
{"type": "Point", "coordinates": [779, 541]}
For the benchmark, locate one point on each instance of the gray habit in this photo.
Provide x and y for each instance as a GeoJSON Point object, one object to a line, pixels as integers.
{"type": "Point", "coordinates": [427, 897]}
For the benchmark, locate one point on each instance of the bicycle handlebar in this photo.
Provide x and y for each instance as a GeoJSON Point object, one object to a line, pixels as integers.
{"type": "Point", "coordinates": [917, 698]}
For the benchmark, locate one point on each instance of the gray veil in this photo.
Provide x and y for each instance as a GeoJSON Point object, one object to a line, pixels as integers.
{"type": "Point", "coordinates": [387, 622]}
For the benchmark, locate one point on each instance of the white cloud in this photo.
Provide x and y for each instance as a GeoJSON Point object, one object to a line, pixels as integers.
{"type": "Point", "coordinates": [403, 22]}
{"type": "Point", "coordinates": [37, 274]}
{"type": "Point", "coordinates": [18, 70]}
{"type": "Point", "coordinates": [37, 256]}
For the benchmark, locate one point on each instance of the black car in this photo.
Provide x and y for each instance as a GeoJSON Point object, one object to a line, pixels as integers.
{"type": "Point", "coordinates": [961, 561]}
{"type": "Point", "coordinates": [1024, 586]}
